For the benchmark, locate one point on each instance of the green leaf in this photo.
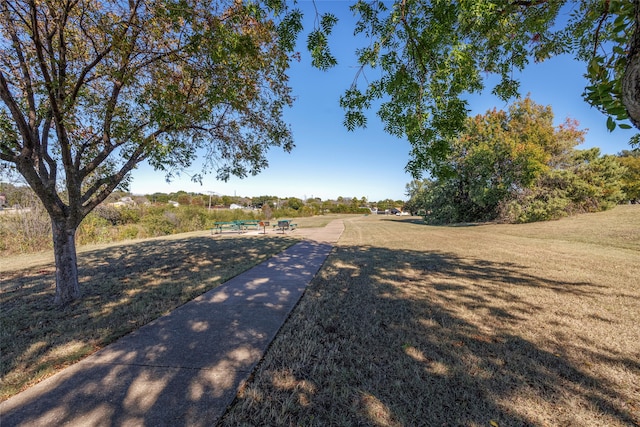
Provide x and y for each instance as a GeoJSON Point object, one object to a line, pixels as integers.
{"type": "Point", "coordinates": [611, 124]}
{"type": "Point", "coordinates": [327, 22]}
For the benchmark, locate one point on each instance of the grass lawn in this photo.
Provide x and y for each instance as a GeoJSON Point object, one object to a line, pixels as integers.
{"type": "Point", "coordinates": [490, 325]}
{"type": "Point", "coordinates": [405, 324]}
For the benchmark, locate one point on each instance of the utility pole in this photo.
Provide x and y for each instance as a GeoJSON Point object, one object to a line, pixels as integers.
{"type": "Point", "coordinates": [211, 193]}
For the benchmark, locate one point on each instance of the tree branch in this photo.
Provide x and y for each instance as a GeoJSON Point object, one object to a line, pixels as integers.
{"type": "Point", "coordinates": [17, 47]}
{"type": "Point", "coordinates": [529, 3]}
{"type": "Point", "coordinates": [101, 189]}
{"type": "Point", "coordinates": [596, 36]}
{"type": "Point", "coordinates": [16, 113]}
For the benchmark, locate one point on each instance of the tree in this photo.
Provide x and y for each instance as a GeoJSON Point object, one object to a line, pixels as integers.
{"type": "Point", "coordinates": [430, 54]}
{"type": "Point", "coordinates": [294, 203]}
{"type": "Point", "coordinates": [264, 200]}
{"type": "Point", "coordinates": [160, 198]}
{"type": "Point", "coordinates": [90, 89]}
{"type": "Point", "coordinates": [586, 182]}
{"type": "Point", "coordinates": [630, 160]}
{"type": "Point", "coordinates": [502, 153]}
{"type": "Point", "coordinates": [414, 191]}
{"type": "Point", "coordinates": [517, 165]}
{"type": "Point", "coordinates": [184, 199]}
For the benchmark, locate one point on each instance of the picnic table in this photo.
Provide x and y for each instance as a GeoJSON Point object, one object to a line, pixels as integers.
{"type": "Point", "coordinates": [246, 223]}
{"type": "Point", "coordinates": [218, 226]}
{"type": "Point", "coordinates": [238, 225]}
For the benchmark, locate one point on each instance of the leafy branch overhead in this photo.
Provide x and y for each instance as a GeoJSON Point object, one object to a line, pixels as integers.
{"type": "Point", "coordinates": [431, 54]}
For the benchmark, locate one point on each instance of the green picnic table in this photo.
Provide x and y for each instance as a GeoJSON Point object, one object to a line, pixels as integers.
{"type": "Point", "coordinates": [218, 226]}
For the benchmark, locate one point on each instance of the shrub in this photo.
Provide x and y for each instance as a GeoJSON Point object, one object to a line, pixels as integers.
{"type": "Point", "coordinates": [130, 215]}
{"type": "Point", "coordinates": [94, 229]}
{"type": "Point", "coordinates": [108, 213]}
{"type": "Point", "coordinates": [24, 231]}
{"type": "Point", "coordinates": [129, 232]}
{"type": "Point", "coordinates": [159, 225]}
{"type": "Point", "coordinates": [191, 218]}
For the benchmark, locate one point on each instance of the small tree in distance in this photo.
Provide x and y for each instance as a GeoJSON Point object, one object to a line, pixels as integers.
{"type": "Point", "coordinates": [91, 89]}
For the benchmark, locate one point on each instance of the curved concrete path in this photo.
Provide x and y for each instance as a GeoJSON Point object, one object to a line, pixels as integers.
{"type": "Point", "coordinates": [185, 368]}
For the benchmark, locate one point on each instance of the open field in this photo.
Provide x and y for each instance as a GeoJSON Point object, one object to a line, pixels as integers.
{"type": "Point", "coordinates": [405, 324]}
{"type": "Point", "coordinates": [502, 325]}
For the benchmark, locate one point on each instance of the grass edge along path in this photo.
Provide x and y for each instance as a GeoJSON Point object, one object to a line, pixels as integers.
{"type": "Point", "coordinates": [499, 325]}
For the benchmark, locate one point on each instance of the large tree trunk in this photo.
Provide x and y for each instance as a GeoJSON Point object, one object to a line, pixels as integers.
{"type": "Point", "coordinates": [631, 78]}
{"type": "Point", "coordinates": [64, 249]}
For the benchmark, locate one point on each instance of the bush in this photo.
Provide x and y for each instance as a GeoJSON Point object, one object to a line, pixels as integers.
{"type": "Point", "coordinates": [191, 218]}
{"type": "Point", "coordinates": [108, 213]}
{"type": "Point", "coordinates": [130, 215]}
{"type": "Point", "coordinates": [532, 209]}
{"type": "Point", "coordinates": [24, 231]}
{"type": "Point", "coordinates": [129, 232]}
{"type": "Point", "coordinates": [159, 225]}
{"type": "Point", "coordinates": [94, 229]}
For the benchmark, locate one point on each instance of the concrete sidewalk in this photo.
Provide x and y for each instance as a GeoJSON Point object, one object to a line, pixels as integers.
{"type": "Point", "coordinates": [184, 368]}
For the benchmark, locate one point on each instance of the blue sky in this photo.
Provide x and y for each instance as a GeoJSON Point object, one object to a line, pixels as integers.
{"type": "Point", "coordinates": [329, 161]}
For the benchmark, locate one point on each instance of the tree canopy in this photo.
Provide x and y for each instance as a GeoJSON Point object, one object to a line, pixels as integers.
{"type": "Point", "coordinates": [630, 160]}
{"type": "Point", "coordinates": [516, 166]}
{"type": "Point", "coordinates": [90, 89]}
{"type": "Point", "coordinates": [431, 54]}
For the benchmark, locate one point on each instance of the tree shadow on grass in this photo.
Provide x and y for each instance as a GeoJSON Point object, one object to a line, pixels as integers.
{"type": "Point", "coordinates": [411, 338]}
{"type": "Point", "coordinates": [183, 368]}
{"type": "Point", "coordinates": [123, 287]}
{"type": "Point", "coordinates": [382, 337]}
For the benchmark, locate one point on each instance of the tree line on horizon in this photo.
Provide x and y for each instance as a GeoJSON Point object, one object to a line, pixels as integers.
{"type": "Point", "coordinates": [20, 195]}
{"type": "Point", "coordinates": [124, 216]}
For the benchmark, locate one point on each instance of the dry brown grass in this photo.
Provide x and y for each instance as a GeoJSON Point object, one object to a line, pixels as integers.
{"type": "Point", "coordinates": [506, 325]}
{"type": "Point", "coordinates": [124, 286]}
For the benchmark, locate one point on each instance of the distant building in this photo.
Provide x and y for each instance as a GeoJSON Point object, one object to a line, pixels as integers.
{"type": "Point", "coordinates": [124, 201]}
{"type": "Point", "coordinates": [235, 206]}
